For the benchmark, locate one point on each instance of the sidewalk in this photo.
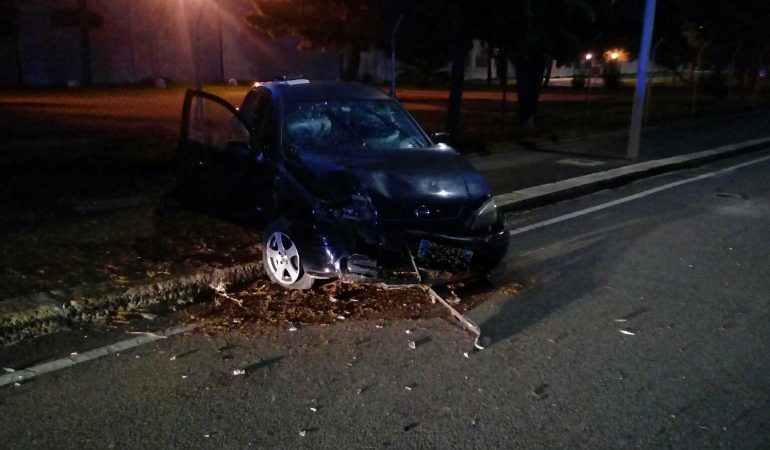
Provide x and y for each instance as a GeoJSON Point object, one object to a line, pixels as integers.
{"type": "Point", "coordinates": [73, 251]}
{"type": "Point", "coordinates": [521, 165]}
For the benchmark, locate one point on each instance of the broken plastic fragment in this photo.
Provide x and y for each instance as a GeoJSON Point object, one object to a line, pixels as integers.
{"type": "Point", "coordinates": [340, 317]}
{"type": "Point", "coordinates": [408, 331]}
{"type": "Point", "coordinates": [408, 388]}
{"type": "Point", "coordinates": [378, 326]}
{"type": "Point", "coordinates": [173, 358]}
{"type": "Point", "coordinates": [628, 333]}
{"type": "Point", "coordinates": [149, 316]}
{"type": "Point", "coordinates": [332, 299]}
{"type": "Point", "coordinates": [314, 409]}
{"type": "Point", "coordinates": [184, 377]}
{"type": "Point", "coordinates": [237, 372]}
{"type": "Point", "coordinates": [8, 369]}
{"type": "Point", "coordinates": [17, 384]}
{"type": "Point", "coordinates": [302, 433]}
{"type": "Point", "coordinates": [412, 345]}
{"type": "Point", "coordinates": [292, 328]}
{"type": "Point", "coordinates": [466, 354]}
{"type": "Point", "coordinates": [621, 320]}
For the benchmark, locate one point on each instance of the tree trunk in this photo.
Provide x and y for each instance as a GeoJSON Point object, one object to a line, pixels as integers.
{"type": "Point", "coordinates": [502, 73]}
{"type": "Point", "coordinates": [548, 71]}
{"type": "Point", "coordinates": [17, 57]}
{"type": "Point", "coordinates": [489, 64]}
{"type": "Point", "coordinates": [351, 60]}
{"type": "Point", "coordinates": [85, 45]}
{"type": "Point", "coordinates": [529, 82]}
{"type": "Point", "coordinates": [453, 122]}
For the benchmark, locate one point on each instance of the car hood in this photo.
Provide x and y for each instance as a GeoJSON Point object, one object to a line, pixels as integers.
{"type": "Point", "coordinates": [428, 183]}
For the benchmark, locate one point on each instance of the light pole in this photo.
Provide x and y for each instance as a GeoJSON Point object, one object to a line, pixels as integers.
{"type": "Point", "coordinates": [637, 115]}
{"type": "Point", "coordinates": [393, 56]}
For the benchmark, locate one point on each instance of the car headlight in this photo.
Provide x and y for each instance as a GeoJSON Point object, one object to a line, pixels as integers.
{"type": "Point", "coordinates": [484, 217]}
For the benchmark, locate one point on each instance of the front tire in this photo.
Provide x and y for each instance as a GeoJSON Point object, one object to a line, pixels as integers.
{"type": "Point", "coordinates": [281, 259]}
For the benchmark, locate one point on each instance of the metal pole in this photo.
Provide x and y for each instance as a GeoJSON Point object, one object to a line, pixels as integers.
{"type": "Point", "coordinates": [393, 56]}
{"type": "Point", "coordinates": [221, 44]}
{"type": "Point", "coordinates": [637, 116]}
{"type": "Point", "coordinates": [649, 82]}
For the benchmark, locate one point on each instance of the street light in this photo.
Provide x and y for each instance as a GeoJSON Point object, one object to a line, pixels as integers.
{"type": "Point", "coordinates": [614, 56]}
{"type": "Point", "coordinates": [589, 56]}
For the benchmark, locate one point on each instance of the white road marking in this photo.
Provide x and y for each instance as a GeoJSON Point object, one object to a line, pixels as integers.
{"type": "Point", "coordinates": [77, 358]}
{"type": "Point", "coordinates": [631, 198]}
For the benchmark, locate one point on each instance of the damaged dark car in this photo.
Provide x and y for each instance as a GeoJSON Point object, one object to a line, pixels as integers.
{"type": "Point", "coordinates": [348, 184]}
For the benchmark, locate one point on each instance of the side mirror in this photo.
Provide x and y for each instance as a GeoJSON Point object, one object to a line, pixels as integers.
{"type": "Point", "coordinates": [238, 149]}
{"type": "Point", "coordinates": [440, 138]}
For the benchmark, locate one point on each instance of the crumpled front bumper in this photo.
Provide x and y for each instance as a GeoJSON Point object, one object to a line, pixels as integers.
{"type": "Point", "coordinates": [324, 247]}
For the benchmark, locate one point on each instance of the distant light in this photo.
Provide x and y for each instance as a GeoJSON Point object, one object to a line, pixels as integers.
{"type": "Point", "coordinates": [589, 56]}
{"type": "Point", "coordinates": [614, 55]}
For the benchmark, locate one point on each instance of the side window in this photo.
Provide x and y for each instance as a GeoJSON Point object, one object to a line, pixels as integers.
{"type": "Point", "coordinates": [213, 124]}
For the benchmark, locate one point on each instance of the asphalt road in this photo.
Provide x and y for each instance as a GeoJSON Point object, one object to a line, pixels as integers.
{"type": "Point", "coordinates": [645, 324]}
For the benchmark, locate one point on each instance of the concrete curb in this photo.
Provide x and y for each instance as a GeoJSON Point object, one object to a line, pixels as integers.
{"type": "Point", "coordinates": [574, 187]}
{"type": "Point", "coordinates": [49, 314]}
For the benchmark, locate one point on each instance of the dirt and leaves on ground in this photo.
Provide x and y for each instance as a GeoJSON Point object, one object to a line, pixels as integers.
{"type": "Point", "coordinates": [262, 306]}
{"type": "Point", "coordinates": [118, 249]}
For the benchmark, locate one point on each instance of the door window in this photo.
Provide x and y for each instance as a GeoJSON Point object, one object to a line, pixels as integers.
{"type": "Point", "coordinates": [214, 123]}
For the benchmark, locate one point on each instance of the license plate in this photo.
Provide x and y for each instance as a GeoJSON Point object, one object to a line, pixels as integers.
{"type": "Point", "coordinates": [436, 255]}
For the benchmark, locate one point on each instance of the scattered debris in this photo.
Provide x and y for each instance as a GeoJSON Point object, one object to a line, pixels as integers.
{"type": "Point", "coordinates": [540, 390]}
{"type": "Point", "coordinates": [17, 384]}
{"type": "Point", "coordinates": [302, 433]}
{"type": "Point", "coordinates": [238, 372]}
{"type": "Point", "coordinates": [340, 317]}
{"type": "Point", "coordinates": [628, 333]}
{"type": "Point", "coordinates": [378, 326]}
{"type": "Point", "coordinates": [73, 353]}
{"type": "Point", "coordinates": [410, 426]}
{"type": "Point", "coordinates": [184, 377]}
{"type": "Point", "coordinates": [314, 409]}
{"type": "Point", "coordinates": [408, 331]}
{"type": "Point", "coordinates": [8, 370]}
{"type": "Point", "coordinates": [412, 345]}
{"type": "Point", "coordinates": [466, 354]}
{"type": "Point", "coordinates": [149, 316]}
{"type": "Point", "coordinates": [621, 320]}
{"type": "Point", "coordinates": [173, 358]}
{"type": "Point", "coordinates": [292, 328]}
{"type": "Point", "coordinates": [464, 321]}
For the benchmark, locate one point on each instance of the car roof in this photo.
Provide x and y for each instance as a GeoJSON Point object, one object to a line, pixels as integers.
{"type": "Point", "coordinates": [308, 91]}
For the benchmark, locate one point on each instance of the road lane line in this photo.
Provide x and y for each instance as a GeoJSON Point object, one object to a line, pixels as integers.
{"type": "Point", "coordinates": [631, 198]}
{"type": "Point", "coordinates": [78, 358]}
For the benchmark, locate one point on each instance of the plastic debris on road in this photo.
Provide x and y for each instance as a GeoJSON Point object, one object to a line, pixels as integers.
{"type": "Point", "coordinates": [314, 409]}
{"type": "Point", "coordinates": [302, 433]}
{"type": "Point", "coordinates": [293, 328]}
{"type": "Point", "coordinates": [173, 358]}
{"type": "Point", "coordinates": [238, 372]}
{"type": "Point", "coordinates": [412, 345]}
{"type": "Point", "coordinates": [628, 333]}
{"type": "Point", "coordinates": [466, 354]}
{"type": "Point", "coordinates": [408, 331]}
{"type": "Point", "coordinates": [184, 377]}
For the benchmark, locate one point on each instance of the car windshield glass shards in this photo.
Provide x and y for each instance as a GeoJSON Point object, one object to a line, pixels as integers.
{"type": "Point", "coordinates": [345, 125]}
